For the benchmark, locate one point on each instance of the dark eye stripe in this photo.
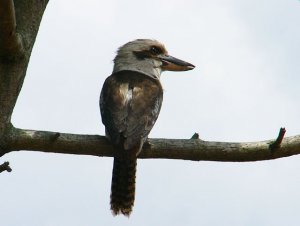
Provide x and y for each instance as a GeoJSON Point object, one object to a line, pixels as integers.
{"type": "Point", "coordinates": [153, 51]}
{"type": "Point", "coordinates": [141, 55]}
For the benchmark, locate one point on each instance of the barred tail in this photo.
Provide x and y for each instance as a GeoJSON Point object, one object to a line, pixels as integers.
{"type": "Point", "coordinates": [123, 185]}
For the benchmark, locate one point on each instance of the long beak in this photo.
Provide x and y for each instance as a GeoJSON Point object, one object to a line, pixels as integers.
{"type": "Point", "coordinates": [173, 64]}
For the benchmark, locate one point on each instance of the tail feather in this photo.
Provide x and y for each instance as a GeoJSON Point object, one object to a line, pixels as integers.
{"type": "Point", "coordinates": [123, 186]}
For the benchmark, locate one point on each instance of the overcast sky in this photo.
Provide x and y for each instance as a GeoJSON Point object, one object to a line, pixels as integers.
{"type": "Point", "coordinates": [244, 88]}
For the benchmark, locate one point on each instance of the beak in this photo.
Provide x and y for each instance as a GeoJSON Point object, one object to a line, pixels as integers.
{"type": "Point", "coordinates": [170, 63]}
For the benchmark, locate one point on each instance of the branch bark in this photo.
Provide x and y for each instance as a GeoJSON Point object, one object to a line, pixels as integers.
{"type": "Point", "coordinates": [186, 149]}
{"type": "Point", "coordinates": [19, 24]}
{"type": "Point", "coordinates": [10, 41]}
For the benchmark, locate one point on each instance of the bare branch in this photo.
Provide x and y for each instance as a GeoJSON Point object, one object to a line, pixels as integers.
{"type": "Point", "coordinates": [10, 41]}
{"type": "Point", "coordinates": [186, 149]}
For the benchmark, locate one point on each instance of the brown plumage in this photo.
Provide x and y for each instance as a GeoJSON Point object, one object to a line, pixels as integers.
{"type": "Point", "coordinates": [129, 115]}
{"type": "Point", "coordinates": [123, 186]}
{"type": "Point", "coordinates": [130, 103]}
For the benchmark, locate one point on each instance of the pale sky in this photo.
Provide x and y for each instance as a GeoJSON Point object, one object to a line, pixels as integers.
{"type": "Point", "coordinates": [244, 88]}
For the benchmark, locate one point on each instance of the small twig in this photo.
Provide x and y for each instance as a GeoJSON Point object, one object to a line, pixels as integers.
{"type": "Point", "coordinates": [195, 136]}
{"type": "Point", "coordinates": [5, 167]}
{"type": "Point", "coordinates": [276, 144]}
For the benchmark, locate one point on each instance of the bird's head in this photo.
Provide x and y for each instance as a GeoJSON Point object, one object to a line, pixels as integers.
{"type": "Point", "coordinates": [149, 57]}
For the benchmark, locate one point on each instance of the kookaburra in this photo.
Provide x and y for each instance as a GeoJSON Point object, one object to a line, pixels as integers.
{"type": "Point", "coordinates": [130, 102]}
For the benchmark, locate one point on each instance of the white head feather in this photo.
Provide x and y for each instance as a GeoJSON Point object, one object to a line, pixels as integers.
{"type": "Point", "coordinates": [127, 58]}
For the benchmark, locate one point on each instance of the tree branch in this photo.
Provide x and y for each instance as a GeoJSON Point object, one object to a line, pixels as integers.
{"type": "Point", "coordinates": [186, 149]}
{"type": "Point", "coordinates": [19, 17]}
{"type": "Point", "coordinates": [10, 41]}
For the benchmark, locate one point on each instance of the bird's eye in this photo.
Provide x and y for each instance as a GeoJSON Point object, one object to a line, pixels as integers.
{"type": "Point", "coordinates": [155, 50]}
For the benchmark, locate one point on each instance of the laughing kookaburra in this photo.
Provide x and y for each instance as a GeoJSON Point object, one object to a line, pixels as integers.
{"type": "Point", "coordinates": [130, 102]}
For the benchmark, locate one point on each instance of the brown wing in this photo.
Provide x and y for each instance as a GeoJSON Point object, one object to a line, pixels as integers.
{"type": "Point", "coordinates": [130, 103]}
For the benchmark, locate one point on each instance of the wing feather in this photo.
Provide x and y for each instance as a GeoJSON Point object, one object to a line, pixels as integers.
{"type": "Point", "coordinates": [130, 103]}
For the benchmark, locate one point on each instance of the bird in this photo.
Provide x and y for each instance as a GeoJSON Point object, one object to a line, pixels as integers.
{"type": "Point", "coordinates": [130, 102]}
